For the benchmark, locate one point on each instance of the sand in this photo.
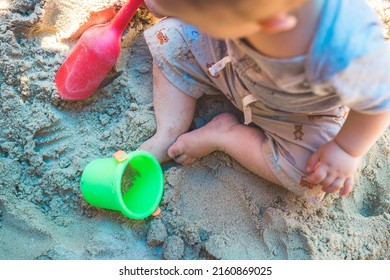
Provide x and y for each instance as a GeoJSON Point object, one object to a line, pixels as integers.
{"type": "Point", "coordinates": [213, 209]}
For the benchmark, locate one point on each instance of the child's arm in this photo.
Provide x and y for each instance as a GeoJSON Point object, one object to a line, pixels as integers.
{"type": "Point", "coordinates": [335, 163]}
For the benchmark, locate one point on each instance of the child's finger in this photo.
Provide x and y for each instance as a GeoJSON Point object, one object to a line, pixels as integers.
{"type": "Point", "coordinates": [318, 176]}
{"type": "Point", "coordinates": [151, 6]}
{"type": "Point", "coordinates": [328, 182]}
{"type": "Point", "coordinates": [348, 186]}
{"type": "Point", "coordinates": [334, 186]}
{"type": "Point", "coordinates": [313, 162]}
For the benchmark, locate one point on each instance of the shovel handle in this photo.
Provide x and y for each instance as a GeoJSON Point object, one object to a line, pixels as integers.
{"type": "Point", "coordinates": [125, 14]}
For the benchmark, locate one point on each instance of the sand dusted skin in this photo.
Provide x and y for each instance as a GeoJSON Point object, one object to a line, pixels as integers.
{"type": "Point", "coordinates": [213, 209]}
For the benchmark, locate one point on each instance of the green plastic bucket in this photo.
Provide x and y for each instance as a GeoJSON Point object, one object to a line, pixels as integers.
{"type": "Point", "coordinates": [131, 183]}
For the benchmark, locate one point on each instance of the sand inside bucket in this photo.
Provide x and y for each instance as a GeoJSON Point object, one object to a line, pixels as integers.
{"type": "Point", "coordinates": [129, 176]}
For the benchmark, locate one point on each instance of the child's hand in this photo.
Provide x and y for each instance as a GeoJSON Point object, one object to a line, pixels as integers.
{"type": "Point", "coordinates": [333, 168]}
{"type": "Point", "coordinates": [152, 7]}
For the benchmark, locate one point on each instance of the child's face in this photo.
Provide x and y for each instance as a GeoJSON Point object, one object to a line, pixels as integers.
{"type": "Point", "coordinates": [239, 19]}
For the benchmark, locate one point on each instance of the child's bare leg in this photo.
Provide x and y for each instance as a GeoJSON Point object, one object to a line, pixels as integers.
{"type": "Point", "coordinates": [224, 133]}
{"type": "Point", "coordinates": [174, 112]}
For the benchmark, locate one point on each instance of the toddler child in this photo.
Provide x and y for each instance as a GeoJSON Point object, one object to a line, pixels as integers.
{"type": "Point", "coordinates": [310, 76]}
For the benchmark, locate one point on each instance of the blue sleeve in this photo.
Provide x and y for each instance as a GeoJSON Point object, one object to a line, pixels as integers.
{"type": "Point", "coordinates": [364, 85]}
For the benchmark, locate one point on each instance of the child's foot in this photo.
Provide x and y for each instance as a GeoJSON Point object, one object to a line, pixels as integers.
{"type": "Point", "coordinates": [158, 147]}
{"type": "Point", "coordinates": [202, 141]}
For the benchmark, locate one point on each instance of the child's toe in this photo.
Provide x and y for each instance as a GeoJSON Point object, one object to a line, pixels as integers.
{"type": "Point", "coordinates": [182, 159]}
{"type": "Point", "coordinates": [174, 151]}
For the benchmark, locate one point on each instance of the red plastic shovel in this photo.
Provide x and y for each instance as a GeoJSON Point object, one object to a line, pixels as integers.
{"type": "Point", "coordinates": [93, 56]}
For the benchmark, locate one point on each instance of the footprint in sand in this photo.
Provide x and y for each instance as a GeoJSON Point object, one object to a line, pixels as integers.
{"type": "Point", "coordinates": [50, 141]}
